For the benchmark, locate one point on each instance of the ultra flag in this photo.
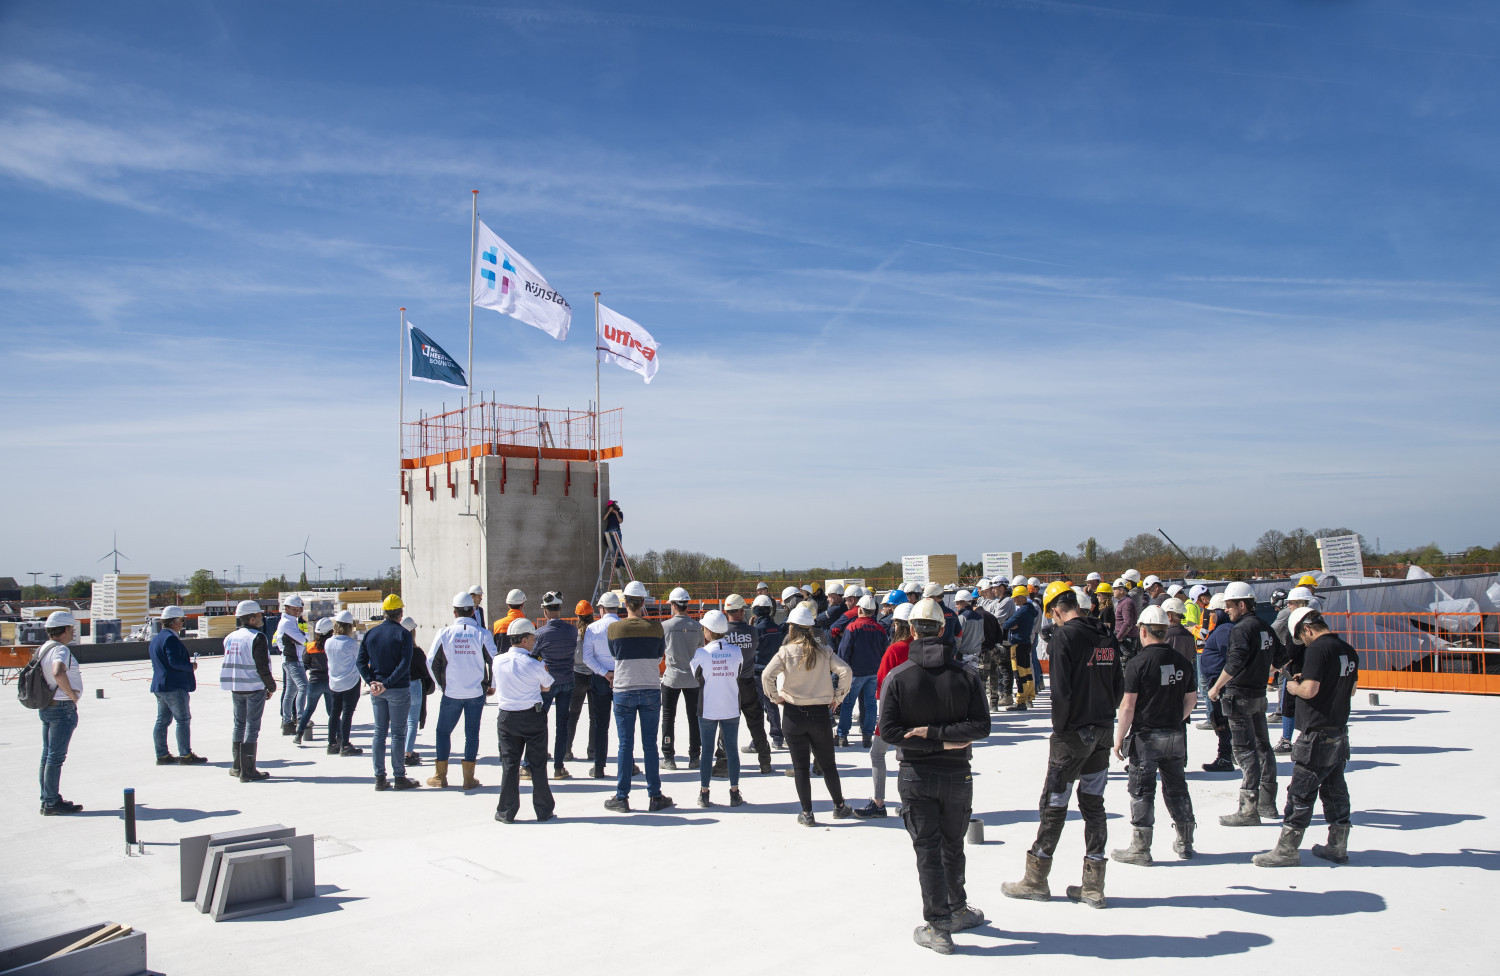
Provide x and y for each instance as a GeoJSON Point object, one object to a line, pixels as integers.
{"type": "Point", "coordinates": [509, 284]}
{"type": "Point", "coordinates": [626, 344]}
{"type": "Point", "coordinates": [430, 363]}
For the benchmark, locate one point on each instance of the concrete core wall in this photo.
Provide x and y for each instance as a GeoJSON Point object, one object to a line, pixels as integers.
{"type": "Point", "coordinates": [514, 538]}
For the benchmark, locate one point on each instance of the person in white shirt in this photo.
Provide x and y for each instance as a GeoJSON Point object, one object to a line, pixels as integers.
{"type": "Point", "coordinates": [597, 659]}
{"type": "Point", "coordinates": [520, 679]}
{"type": "Point", "coordinates": [63, 676]}
{"type": "Point", "coordinates": [290, 640]}
{"type": "Point", "coordinates": [462, 654]}
{"type": "Point", "coordinates": [718, 667]}
{"type": "Point", "coordinates": [343, 685]}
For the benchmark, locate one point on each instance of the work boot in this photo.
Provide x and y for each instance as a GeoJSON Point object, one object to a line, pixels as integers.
{"type": "Point", "coordinates": [870, 811]}
{"type": "Point", "coordinates": [669, 762]}
{"type": "Point", "coordinates": [703, 800]}
{"type": "Point", "coordinates": [618, 804]}
{"type": "Point", "coordinates": [333, 747]}
{"type": "Point", "coordinates": [191, 759]}
{"type": "Point", "coordinates": [1019, 706]}
{"type": "Point", "coordinates": [778, 742]}
{"type": "Point", "coordinates": [721, 768]}
{"type": "Point", "coordinates": [1091, 892]}
{"type": "Point", "coordinates": [1139, 851]}
{"type": "Point", "coordinates": [1285, 853]}
{"type": "Point", "coordinates": [1265, 804]}
{"type": "Point", "coordinates": [404, 783]}
{"type": "Point", "coordinates": [967, 917]}
{"type": "Point", "coordinates": [561, 772]}
{"type": "Point", "coordinates": [167, 760]}
{"type": "Point", "coordinates": [748, 747]}
{"type": "Point", "coordinates": [1246, 816]}
{"type": "Point", "coordinates": [1006, 700]}
{"type": "Point", "coordinates": [381, 783]}
{"type": "Point", "coordinates": [234, 759]}
{"type": "Point", "coordinates": [865, 742]}
{"type": "Point", "coordinates": [248, 772]}
{"type": "Point", "coordinates": [297, 739]}
{"type": "Point", "coordinates": [470, 783]}
{"type": "Point", "coordinates": [288, 728]}
{"type": "Point", "coordinates": [597, 773]}
{"type": "Point", "coordinates": [765, 767]}
{"type": "Point", "coordinates": [412, 759]}
{"type": "Point", "coordinates": [1034, 885]}
{"type": "Point", "coordinates": [439, 777]}
{"type": "Point", "coordinates": [1283, 745]}
{"type": "Point", "coordinates": [934, 937]}
{"type": "Point", "coordinates": [350, 750]}
{"type": "Point", "coordinates": [843, 742]}
{"type": "Point", "coordinates": [1219, 765]}
{"type": "Point", "coordinates": [659, 802]}
{"type": "Point", "coordinates": [1183, 845]}
{"type": "Point", "coordinates": [693, 756]}
{"type": "Point", "coordinates": [843, 811]}
{"type": "Point", "coordinates": [735, 799]}
{"type": "Point", "coordinates": [1337, 848]}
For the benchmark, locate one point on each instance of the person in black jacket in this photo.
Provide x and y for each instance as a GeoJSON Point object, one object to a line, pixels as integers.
{"type": "Point", "coordinates": [315, 661]}
{"type": "Point", "coordinates": [1086, 690]}
{"type": "Point", "coordinates": [768, 634]}
{"type": "Point", "coordinates": [932, 709]}
{"type": "Point", "coordinates": [1254, 652]}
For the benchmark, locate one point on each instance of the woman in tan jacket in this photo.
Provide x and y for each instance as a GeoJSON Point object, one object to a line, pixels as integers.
{"type": "Point", "coordinates": [808, 698]}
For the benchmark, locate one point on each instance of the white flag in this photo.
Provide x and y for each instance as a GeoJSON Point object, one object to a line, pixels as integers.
{"type": "Point", "coordinates": [625, 343]}
{"type": "Point", "coordinates": [507, 283]}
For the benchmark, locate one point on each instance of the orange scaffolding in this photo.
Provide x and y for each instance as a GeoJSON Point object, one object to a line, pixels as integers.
{"type": "Point", "coordinates": [511, 430]}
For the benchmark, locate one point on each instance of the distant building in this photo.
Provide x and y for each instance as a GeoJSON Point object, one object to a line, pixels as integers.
{"type": "Point", "coordinates": [10, 590]}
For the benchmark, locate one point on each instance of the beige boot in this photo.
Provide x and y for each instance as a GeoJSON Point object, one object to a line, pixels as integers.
{"type": "Point", "coordinates": [439, 777]}
{"type": "Point", "coordinates": [470, 783]}
{"type": "Point", "coordinates": [1034, 885]}
{"type": "Point", "coordinates": [1091, 892]}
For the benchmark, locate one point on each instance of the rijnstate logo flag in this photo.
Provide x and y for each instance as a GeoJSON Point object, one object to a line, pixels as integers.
{"type": "Point", "coordinates": [509, 284]}
{"type": "Point", "coordinates": [626, 344]}
{"type": "Point", "coordinates": [431, 364]}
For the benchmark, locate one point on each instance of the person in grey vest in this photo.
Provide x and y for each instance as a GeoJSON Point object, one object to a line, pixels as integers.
{"type": "Point", "coordinates": [246, 674]}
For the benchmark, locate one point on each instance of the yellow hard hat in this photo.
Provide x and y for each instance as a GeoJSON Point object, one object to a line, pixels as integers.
{"type": "Point", "coordinates": [1103, 588]}
{"type": "Point", "coordinates": [1307, 580]}
{"type": "Point", "coordinates": [1054, 588]}
{"type": "Point", "coordinates": [393, 602]}
{"type": "Point", "coordinates": [1018, 591]}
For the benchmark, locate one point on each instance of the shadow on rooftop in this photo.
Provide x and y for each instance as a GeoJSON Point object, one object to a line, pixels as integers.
{"type": "Point", "coordinates": [1115, 946]}
{"type": "Point", "coordinates": [1355, 765]}
{"type": "Point", "coordinates": [1467, 857]}
{"type": "Point", "coordinates": [1409, 750]}
{"type": "Point", "coordinates": [1271, 902]}
{"type": "Point", "coordinates": [323, 903]}
{"type": "Point", "coordinates": [1410, 819]}
{"type": "Point", "coordinates": [634, 819]}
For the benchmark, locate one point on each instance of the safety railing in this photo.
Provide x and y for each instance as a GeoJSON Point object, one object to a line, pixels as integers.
{"type": "Point", "coordinates": [511, 430]}
{"type": "Point", "coordinates": [1454, 652]}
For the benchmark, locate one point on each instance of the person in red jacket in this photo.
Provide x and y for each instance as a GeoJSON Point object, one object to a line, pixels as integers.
{"type": "Point", "coordinates": [895, 656]}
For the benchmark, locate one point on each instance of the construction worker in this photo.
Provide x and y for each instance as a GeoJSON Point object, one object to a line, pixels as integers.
{"type": "Point", "coordinates": [790, 597]}
{"type": "Point", "coordinates": [834, 632]}
{"type": "Point", "coordinates": [1150, 736]}
{"type": "Point", "coordinates": [520, 679]}
{"type": "Point", "coordinates": [991, 647]}
{"type": "Point", "coordinates": [477, 592]}
{"type": "Point", "coordinates": [1254, 652]}
{"type": "Point", "coordinates": [315, 660]}
{"type": "Point", "coordinates": [1104, 605]}
{"type": "Point", "coordinates": [932, 710]}
{"type": "Point", "coordinates": [1156, 591]}
{"type": "Point", "coordinates": [342, 650]}
{"type": "Point", "coordinates": [861, 646]}
{"type": "Point", "coordinates": [246, 674]}
{"type": "Point", "coordinates": [172, 681]}
{"type": "Point", "coordinates": [1192, 614]}
{"type": "Point", "coordinates": [637, 647]}
{"type": "Point", "coordinates": [1127, 616]}
{"type": "Point", "coordinates": [385, 664]}
{"type": "Point", "coordinates": [1086, 690]}
{"type": "Point", "coordinates": [601, 681]}
{"type": "Point", "coordinates": [1017, 629]}
{"type": "Point", "coordinates": [895, 656]}
{"type": "Point", "coordinates": [64, 678]}
{"type": "Point", "coordinates": [836, 607]}
{"type": "Point", "coordinates": [1210, 666]}
{"type": "Point", "coordinates": [970, 629]}
{"type": "Point", "coordinates": [289, 641]}
{"type": "Point", "coordinates": [583, 611]}
{"type": "Point", "coordinates": [1300, 597]}
{"type": "Point", "coordinates": [683, 636]}
{"type": "Point", "coordinates": [556, 642]}
{"type": "Point", "coordinates": [742, 635]}
{"type": "Point", "coordinates": [768, 635]}
{"type": "Point", "coordinates": [1132, 578]}
{"type": "Point", "coordinates": [719, 666]}
{"type": "Point", "coordinates": [1322, 689]}
{"type": "Point", "coordinates": [1091, 583]}
{"type": "Point", "coordinates": [462, 665]}
{"type": "Point", "coordinates": [515, 603]}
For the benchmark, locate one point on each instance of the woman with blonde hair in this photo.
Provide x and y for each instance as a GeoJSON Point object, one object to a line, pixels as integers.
{"type": "Point", "coordinates": [808, 696]}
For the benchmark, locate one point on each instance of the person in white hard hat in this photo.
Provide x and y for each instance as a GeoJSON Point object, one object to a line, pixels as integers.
{"type": "Point", "coordinates": [557, 642]}
{"type": "Point", "coordinates": [315, 660]}
{"type": "Point", "coordinates": [895, 656]}
{"type": "Point", "coordinates": [172, 681]}
{"type": "Point", "coordinates": [833, 629]}
{"type": "Point", "coordinates": [790, 597]}
{"type": "Point", "coordinates": [836, 608]}
{"type": "Point", "coordinates": [342, 648]}
{"type": "Point", "coordinates": [1217, 628]}
{"type": "Point", "coordinates": [477, 592]}
{"type": "Point", "coordinates": [1254, 653]}
{"type": "Point", "coordinates": [718, 667]}
{"type": "Point", "coordinates": [601, 683]}
{"type": "Point", "coordinates": [64, 678]}
{"type": "Point", "coordinates": [742, 635]}
{"type": "Point", "coordinates": [638, 648]}
{"type": "Point", "coordinates": [1301, 596]}
{"type": "Point", "coordinates": [515, 609]}
{"type": "Point", "coordinates": [683, 636]}
{"type": "Point", "coordinates": [463, 655]}
{"type": "Point", "coordinates": [767, 635]}
{"type": "Point", "coordinates": [520, 679]}
{"type": "Point", "coordinates": [246, 674]}
{"type": "Point", "coordinates": [861, 646]}
{"type": "Point", "coordinates": [290, 637]}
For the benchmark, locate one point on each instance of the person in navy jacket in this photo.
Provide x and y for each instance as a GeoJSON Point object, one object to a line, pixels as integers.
{"type": "Point", "coordinates": [172, 681]}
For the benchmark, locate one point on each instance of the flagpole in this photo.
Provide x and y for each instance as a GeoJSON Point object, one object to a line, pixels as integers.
{"type": "Point", "coordinates": [400, 426]}
{"type": "Point", "coordinates": [469, 395]}
{"type": "Point", "coordinates": [599, 509]}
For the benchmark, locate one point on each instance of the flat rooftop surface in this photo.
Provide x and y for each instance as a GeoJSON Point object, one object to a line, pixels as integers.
{"type": "Point", "coordinates": [426, 880]}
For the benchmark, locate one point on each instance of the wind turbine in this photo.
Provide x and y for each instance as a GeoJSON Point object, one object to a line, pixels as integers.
{"type": "Point", "coordinates": [304, 554]}
{"type": "Point", "coordinates": [116, 553]}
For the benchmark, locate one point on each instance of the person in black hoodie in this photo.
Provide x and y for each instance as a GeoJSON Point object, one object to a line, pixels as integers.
{"type": "Point", "coordinates": [1087, 687]}
{"type": "Point", "coordinates": [932, 709]}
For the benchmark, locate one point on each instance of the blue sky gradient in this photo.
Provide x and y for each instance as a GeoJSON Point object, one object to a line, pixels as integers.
{"type": "Point", "coordinates": [957, 276]}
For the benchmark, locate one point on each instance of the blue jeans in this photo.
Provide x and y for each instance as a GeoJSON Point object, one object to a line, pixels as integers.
{"type": "Point", "coordinates": [628, 705]}
{"type": "Point", "coordinates": [58, 722]}
{"type": "Point", "coordinates": [317, 691]}
{"type": "Point", "coordinates": [563, 697]}
{"type": "Point", "coordinates": [248, 707]}
{"type": "Point", "coordinates": [862, 688]}
{"type": "Point", "coordinates": [293, 690]}
{"type": "Point", "coordinates": [1203, 683]}
{"type": "Point", "coordinates": [449, 710]}
{"type": "Point", "coordinates": [414, 717]}
{"type": "Point", "coordinates": [170, 706]}
{"type": "Point", "coordinates": [391, 707]}
{"type": "Point", "coordinates": [708, 729]}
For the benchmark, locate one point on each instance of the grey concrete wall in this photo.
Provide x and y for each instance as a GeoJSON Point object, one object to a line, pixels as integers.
{"type": "Point", "coordinates": [444, 551]}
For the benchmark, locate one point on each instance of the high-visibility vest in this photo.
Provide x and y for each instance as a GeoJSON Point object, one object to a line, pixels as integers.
{"type": "Point", "coordinates": [238, 672]}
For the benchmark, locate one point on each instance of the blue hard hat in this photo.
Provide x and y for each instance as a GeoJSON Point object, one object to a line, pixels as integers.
{"type": "Point", "coordinates": [895, 597]}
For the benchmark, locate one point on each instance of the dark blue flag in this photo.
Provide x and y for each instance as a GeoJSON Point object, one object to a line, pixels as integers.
{"type": "Point", "coordinates": [430, 363]}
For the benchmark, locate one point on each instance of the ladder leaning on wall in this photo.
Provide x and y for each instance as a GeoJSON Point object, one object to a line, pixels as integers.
{"type": "Point", "coordinates": [614, 559]}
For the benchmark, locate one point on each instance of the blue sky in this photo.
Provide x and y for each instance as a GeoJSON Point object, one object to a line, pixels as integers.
{"type": "Point", "coordinates": [956, 276]}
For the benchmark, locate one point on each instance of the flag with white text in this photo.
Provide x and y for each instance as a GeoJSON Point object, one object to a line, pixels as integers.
{"type": "Point", "coordinates": [431, 364]}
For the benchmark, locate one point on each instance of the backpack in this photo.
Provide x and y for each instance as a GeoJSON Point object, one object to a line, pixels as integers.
{"type": "Point", "coordinates": [31, 684]}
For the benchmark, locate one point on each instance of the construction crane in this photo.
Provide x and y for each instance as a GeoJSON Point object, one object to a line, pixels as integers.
{"type": "Point", "coordinates": [1187, 562]}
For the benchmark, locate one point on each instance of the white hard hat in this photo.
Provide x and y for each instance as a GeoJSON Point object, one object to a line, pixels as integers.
{"type": "Point", "coordinates": [927, 609]}
{"type": "Point", "coordinates": [410, 623]}
{"type": "Point", "coordinates": [246, 607]}
{"type": "Point", "coordinates": [736, 602]}
{"type": "Point", "coordinates": [801, 615]}
{"type": "Point", "coordinates": [789, 592]}
{"type": "Point", "coordinates": [1296, 618]}
{"type": "Point", "coordinates": [950, 587]}
{"type": "Point", "coordinates": [984, 583]}
{"type": "Point", "coordinates": [762, 585]}
{"type": "Point", "coordinates": [963, 596]}
{"type": "Point", "coordinates": [678, 595]}
{"type": "Point", "coordinates": [1118, 584]}
{"type": "Point", "coordinates": [1300, 593]}
{"type": "Point", "coordinates": [343, 617]}
{"type": "Point", "coordinates": [1197, 591]}
{"type": "Point", "coordinates": [292, 601]}
{"type": "Point", "coordinates": [912, 587]}
{"type": "Point", "coordinates": [520, 627]}
{"type": "Point", "coordinates": [476, 590]}
{"type": "Point", "coordinates": [171, 613]}
{"type": "Point", "coordinates": [463, 601]}
{"type": "Point", "coordinates": [325, 625]}
{"type": "Point", "coordinates": [1174, 605]}
{"type": "Point", "coordinates": [761, 600]}
{"type": "Point", "coordinates": [1154, 616]}
{"type": "Point", "coordinates": [715, 621]}
{"type": "Point", "coordinates": [932, 590]}
{"type": "Point", "coordinates": [836, 589]}
{"type": "Point", "coordinates": [867, 602]}
{"type": "Point", "coordinates": [1150, 581]}
{"type": "Point", "coordinates": [1216, 602]}
{"type": "Point", "coordinates": [609, 601]}
{"type": "Point", "coordinates": [1092, 578]}
{"type": "Point", "coordinates": [635, 588]}
{"type": "Point", "coordinates": [552, 599]}
{"type": "Point", "coordinates": [1238, 591]}
{"type": "Point", "coordinates": [1033, 582]}
{"type": "Point", "coordinates": [515, 597]}
{"type": "Point", "coordinates": [806, 589]}
{"type": "Point", "coordinates": [60, 618]}
{"type": "Point", "coordinates": [903, 611]}
{"type": "Point", "coordinates": [1131, 576]}
{"type": "Point", "coordinates": [1174, 589]}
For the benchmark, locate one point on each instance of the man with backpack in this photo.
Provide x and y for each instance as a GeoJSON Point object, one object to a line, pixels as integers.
{"type": "Point", "coordinates": [52, 684]}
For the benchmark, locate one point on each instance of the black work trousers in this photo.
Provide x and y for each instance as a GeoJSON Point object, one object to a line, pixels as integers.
{"type": "Point", "coordinates": [601, 707]}
{"type": "Point", "coordinates": [809, 735]}
{"type": "Point", "coordinates": [1079, 756]}
{"type": "Point", "coordinates": [1251, 741]}
{"type": "Point", "coordinates": [582, 688]}
{"type": "Point", "coordinates": [994, 668]}
{"type": "Point", "coordinates": [755, 721]}
{"type": "Point", "coordinates": [1318, 772]}
{"type": "Point", "coordinates": [669, 698]}
{"type": "Point", "coordinates": [1154, 751]}
{"type": "Point", "coordinates": [523, 734]}
{"type": "Point", "coordinates": [935, 805]}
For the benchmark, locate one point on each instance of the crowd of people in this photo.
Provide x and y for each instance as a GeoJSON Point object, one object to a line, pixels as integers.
{"type": "Point", "coordinates": [926, 666]}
